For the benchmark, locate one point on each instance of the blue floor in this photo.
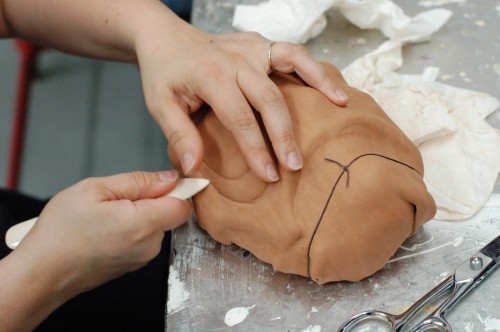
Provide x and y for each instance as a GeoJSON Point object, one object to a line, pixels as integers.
{"type": "Point", "coordinates": [86, 118]}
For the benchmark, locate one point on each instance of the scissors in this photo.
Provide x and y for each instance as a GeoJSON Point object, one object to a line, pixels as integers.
{"type": "Point", "coordinates": [465, 278]}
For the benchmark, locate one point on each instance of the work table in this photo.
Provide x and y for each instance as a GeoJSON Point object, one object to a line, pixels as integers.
{"type": "Point", "coordinates": [208, 279]}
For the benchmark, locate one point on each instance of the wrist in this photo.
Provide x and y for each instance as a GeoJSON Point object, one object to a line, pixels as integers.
{"type": "Point", "coordinates": [29, 292]}
{"type": "Point", "coordinates": [164, 32]}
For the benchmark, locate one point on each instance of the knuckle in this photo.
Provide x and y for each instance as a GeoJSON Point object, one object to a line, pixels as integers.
{"type": "Point", "coordinates": [237, 58]}
{"type": "Point", "coordinates": [249, 37]}
{"type": "Point", "coordinates": [298, 50]}
{"type": "Point", "coordinates": [138, 231]}
{"type": "Point", "coordinates": [254, 35]}
{"type": "Point", "coordinates": [324, 80]}
{"type": "Point", "coordinates": [140, 178]}
{"type": "Point", "coordinates": [244, 120]}
{"type": "Point", "coordinates": [152, 103]}
{"type": "Point", "coordinates": [155, 107]}
{"type": "Point", "coordinates": [211, 69]}
{"type": "Point", "coordinates": [272, 97]}
{"type": "Point", "coordinates": [175, 137]}
{"type": "Point", "coordinates": [90, 183]}
{"type": "Point", "coordinates": [286, 138]}
{"type": "Point", "coordinates": [257, 151]}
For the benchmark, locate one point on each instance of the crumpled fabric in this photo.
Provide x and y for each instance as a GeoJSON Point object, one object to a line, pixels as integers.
{"type": "Point", "coordinates": [297, 21]}
{"type": "Point", "coordinates": [461, 151]}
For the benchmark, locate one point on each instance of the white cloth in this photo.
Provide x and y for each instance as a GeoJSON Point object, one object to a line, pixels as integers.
{"type": "Point", "coordinates": [461, 151]}
{"type": "Point", "coordinates": [299, 20]}
{"type": "Point", "coordinates": [284, 20]}
{"type": "Point", "coordinates": [390, 19]}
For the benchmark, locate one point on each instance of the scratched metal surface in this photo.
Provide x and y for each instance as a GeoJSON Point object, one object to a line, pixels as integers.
{"type": "Point", "coordinates": [212, 279]}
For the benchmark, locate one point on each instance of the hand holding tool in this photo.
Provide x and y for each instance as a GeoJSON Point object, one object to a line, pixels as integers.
{"type": "Point", "coordinates": [186, 188]}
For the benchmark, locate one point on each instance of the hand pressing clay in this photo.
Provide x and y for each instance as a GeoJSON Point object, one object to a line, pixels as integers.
{"type": "Point", "coordinates": [359, 195]}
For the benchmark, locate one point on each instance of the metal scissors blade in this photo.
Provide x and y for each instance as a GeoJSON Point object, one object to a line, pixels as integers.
{"type": "Point", "coordinates": [466, 277]}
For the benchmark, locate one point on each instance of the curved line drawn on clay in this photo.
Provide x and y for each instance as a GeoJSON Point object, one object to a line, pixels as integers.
{"type": "Point", "coordinates": [345, 170]}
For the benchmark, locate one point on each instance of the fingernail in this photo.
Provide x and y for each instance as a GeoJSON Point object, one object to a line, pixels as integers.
{"type": "Point", "coordinates": [340, 94]}
{"type": "Point", "coordinates": [168, 176]}
{"type": "Point", "coordinates": [187, 162]}
{"type": "Point", "coordinates": [271, 173]}
{"type": "Point", "coordinates": [294, 160]}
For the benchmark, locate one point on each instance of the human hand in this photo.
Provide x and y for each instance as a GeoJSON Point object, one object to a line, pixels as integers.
{"type": "Point", "coordinates": [230, 73]}
{"type": "Point", "coordinates": [181, 68]}
{"type": "Point", "coordinates": [102, 228]}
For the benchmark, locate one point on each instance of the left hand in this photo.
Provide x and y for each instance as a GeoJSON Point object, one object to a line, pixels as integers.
{"type": "Point", "coordinates": [101, 228]}
{"type": "Point", "coordinates": [181, 68]}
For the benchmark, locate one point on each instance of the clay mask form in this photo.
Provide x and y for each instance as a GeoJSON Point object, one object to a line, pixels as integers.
{"type": "Point", "coordinates": [359, 195]}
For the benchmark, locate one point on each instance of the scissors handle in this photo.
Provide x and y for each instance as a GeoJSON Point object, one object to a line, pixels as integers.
{"type": "Point", "coordinates": [466, 277]}
{"type": "Point", "coordinates": [443, 287]}
{"type": "Point", "coordinates": [433, 324]}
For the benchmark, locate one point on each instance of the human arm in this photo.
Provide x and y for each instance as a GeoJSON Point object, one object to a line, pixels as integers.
{"type": "Point", "coordinates": [182, 67]}
{"type": "Point", "coordinates": [88, 234]}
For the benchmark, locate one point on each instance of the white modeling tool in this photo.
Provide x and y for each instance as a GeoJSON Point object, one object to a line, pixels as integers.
{"type": "Point", "coordinates": [186, 188]}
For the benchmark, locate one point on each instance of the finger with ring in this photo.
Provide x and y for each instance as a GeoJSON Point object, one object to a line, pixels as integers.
{"type": "Point", "coordinates": [269, 60]}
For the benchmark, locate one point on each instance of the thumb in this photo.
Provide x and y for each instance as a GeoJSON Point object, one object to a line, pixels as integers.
{"type": "Point", "coordinates": [138, 185]}
{"type": "Point", "coordinates": [164, 212]}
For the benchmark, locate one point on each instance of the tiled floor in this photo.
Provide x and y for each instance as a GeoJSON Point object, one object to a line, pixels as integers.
{"type": "Point", "coordinates": [86, 118]}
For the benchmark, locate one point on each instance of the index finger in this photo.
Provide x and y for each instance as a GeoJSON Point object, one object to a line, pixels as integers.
{"type": "Point", "coordinates": [232, 109]}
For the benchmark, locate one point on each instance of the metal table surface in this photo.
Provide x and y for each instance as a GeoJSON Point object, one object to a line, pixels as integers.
{"type": "Point", "coordinates": [208, 279]}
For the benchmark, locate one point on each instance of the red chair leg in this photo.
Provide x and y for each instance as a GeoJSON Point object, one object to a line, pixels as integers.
{"type": "Point", "coordinates": [28, 54]}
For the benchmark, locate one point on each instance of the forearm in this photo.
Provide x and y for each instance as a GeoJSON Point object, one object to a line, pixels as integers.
{"type": "Point", "coordinates": [106, 29]}
{"type": "Point", "coordinates": [27, 294]}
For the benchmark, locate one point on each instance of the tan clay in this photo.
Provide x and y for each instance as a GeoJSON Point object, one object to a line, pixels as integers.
{"type": "Point", "coordinates": [358, 197]}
